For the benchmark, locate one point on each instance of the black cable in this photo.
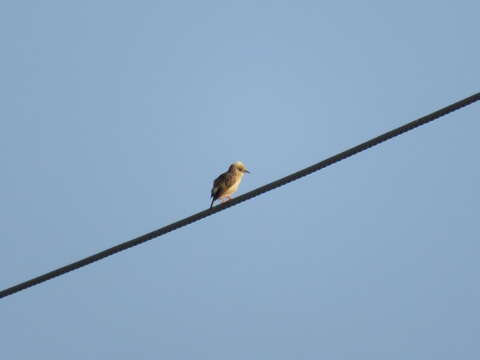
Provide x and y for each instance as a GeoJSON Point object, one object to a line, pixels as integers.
{"type": "Point", "coordinates": [202, 214]}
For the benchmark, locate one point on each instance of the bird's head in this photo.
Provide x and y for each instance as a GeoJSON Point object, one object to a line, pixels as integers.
{"type": "Point", "coordinates": [239, 167]}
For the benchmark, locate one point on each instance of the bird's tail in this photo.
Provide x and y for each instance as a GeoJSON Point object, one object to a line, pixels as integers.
{"type": "Point", "coordinates": [213, 199]}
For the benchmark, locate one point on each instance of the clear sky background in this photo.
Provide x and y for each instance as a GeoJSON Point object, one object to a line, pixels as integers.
{"type": "Point", "coordinates": [117, 115]}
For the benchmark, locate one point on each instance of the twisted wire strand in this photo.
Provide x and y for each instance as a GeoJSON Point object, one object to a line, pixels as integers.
{"type": "Point", "coordinates": [235, 201]}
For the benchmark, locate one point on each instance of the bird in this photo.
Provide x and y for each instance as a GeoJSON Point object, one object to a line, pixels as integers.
{"type": "Point", "coordinates": [227, 183]}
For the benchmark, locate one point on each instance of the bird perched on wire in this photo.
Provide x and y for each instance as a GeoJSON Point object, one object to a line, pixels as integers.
{"type": "Point", "coordinates": [227, 183]}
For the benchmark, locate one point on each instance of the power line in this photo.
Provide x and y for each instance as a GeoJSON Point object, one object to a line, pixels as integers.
{"type": "Point", "coordinates": [202, 214]}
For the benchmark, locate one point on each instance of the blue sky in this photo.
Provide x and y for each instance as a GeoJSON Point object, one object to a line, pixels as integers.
{"type": "Point", "coordinates": [117, 116]}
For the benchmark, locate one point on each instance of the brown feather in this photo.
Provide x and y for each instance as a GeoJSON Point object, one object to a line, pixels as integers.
{"type": "Point", "coordinates": [222, 183]}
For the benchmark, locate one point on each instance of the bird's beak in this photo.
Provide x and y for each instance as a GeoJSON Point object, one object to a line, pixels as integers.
{"type": "Point", "coordinates": [246, 171]}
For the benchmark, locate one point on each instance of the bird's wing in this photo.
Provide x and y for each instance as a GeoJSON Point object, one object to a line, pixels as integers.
{"type": "Point", "coordinates": [222, 183]}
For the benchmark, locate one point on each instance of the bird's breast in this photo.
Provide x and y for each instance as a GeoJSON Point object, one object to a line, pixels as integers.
{"type": "Point", "coordinates": [229, 191]}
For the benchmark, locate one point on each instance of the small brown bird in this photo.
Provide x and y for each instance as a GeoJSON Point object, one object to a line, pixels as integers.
{"type": "Point", "coordinates": [227, 183]}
